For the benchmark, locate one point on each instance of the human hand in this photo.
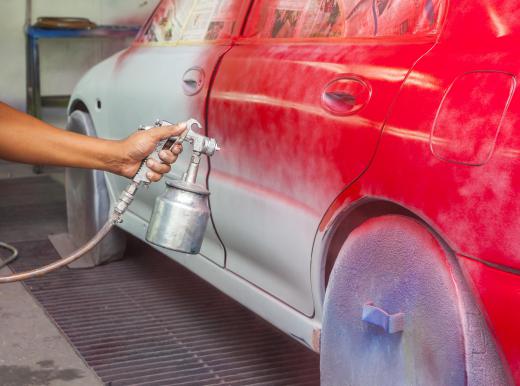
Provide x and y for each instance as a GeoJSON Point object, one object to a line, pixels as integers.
{"type": "Point", "coordinates": [139, 145]}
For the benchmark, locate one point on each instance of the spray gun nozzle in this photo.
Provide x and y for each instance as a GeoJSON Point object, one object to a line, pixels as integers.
{"type": "Point", "coordinates": [193, 122]}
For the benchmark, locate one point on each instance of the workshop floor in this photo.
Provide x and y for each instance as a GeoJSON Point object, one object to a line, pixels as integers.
{"type": "Point", "coordinates": [140, 321]}
{"type": "Point", "coordinates": [33, 351]}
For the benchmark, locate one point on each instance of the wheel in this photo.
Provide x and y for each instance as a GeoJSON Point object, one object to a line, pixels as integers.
{"type": "Point", "coordinates": [88, 206]}
{"type": "Point", "coordinates": [397, 312]}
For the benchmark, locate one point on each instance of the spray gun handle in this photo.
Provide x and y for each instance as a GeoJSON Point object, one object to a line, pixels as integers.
{"type": "Point", "coordinates": [201, 145]}
{"type": "Point", "coordinates": [141, 177]}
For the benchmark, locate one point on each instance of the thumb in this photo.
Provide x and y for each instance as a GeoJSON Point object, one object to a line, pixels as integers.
{"type": "Point", "coordinates": [165, 132]}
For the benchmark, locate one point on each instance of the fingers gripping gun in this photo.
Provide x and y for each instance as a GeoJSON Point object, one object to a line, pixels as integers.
{"type": "Point", "coordinates": [201, 145]}
{"type": "Point", "coordinates": [180, 215]}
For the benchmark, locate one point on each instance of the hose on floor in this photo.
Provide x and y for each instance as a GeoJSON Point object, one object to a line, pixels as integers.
{"type": "Point", "coordinates": [62, 262]}
{"type": "Point", "coordinates": [122, 205]}
{"type": "Point", "coordinates": [10, 259]}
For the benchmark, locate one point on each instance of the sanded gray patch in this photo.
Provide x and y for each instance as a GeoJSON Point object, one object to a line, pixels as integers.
{"type": "Point", "coordinates": [38, 376]}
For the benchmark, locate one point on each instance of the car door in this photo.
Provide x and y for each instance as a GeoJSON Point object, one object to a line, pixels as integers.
{"type": "Point", "coordinates": [298, 105]}
{"type": "Point", "coordinates": [165, 75]}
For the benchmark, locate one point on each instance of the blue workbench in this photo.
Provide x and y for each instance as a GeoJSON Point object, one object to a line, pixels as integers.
{"type": "Point", "coordinates": [35, 100]}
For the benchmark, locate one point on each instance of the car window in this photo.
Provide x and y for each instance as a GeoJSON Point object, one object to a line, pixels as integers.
{"type": "Point", "coordinates": [342, 18]}
{"type": "Point", "coordinates": [406, 17]}
{"type": "Point", "coordinates": [191, 20]}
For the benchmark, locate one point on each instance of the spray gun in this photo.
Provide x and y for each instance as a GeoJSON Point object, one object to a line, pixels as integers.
{"type": "Point", "coordinates": [180, 215]}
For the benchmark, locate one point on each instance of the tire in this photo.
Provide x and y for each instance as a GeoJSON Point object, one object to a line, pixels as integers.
{"type": "Point", "coordinates": [395, 264]}
{"type": "Point", "coordinates": [88, 205]}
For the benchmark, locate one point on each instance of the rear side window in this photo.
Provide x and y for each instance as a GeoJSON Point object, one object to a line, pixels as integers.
{"type": "Point", "coordinates": [406, 17]}
{"type": "Point", "coordinates": [279, 19]}
{"type": "Point", "coordinates": [176, 21]}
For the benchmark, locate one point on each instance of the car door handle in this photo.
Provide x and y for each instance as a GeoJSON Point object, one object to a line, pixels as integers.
{"type": "Point", "coordinates": [345, 95]}
{"type": "Point", "coordinates": [340, 97]}
{"type": "Point", "coordinates": [193, 81]}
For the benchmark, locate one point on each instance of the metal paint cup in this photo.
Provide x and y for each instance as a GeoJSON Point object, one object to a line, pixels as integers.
{"type": "Point", "coordinates": [180, 217]}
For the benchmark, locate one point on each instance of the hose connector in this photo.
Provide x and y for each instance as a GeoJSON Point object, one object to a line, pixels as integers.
{"type": "Point", "coordinates": [125, 199]}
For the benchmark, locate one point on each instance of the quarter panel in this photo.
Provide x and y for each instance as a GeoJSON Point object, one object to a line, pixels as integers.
{"type": "Point", "coordinates": [472, 205]}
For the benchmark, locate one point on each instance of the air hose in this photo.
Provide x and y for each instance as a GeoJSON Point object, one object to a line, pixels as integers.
{"type": "Point", "coordinates": [10, 259]}
{"type": "Point", "coordinates": [122, 205]}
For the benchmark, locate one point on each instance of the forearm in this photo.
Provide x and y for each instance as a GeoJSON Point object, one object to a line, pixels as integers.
{"type": "Point", "coordinates": [28, 140]}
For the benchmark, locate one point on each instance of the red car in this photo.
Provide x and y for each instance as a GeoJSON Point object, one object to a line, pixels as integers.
{"type": "Point", "coordinates": [366, 193]}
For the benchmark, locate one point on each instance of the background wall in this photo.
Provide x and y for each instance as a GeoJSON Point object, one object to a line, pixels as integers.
{"type": "Point", "coordinates": [62, 62]}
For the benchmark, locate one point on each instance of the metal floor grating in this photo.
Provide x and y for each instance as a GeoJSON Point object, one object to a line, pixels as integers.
{"type": "Point", "coordinates": [146, 320]}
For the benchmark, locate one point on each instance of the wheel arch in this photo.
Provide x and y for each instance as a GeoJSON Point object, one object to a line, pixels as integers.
{"type": "Point", "coordinates": [479, 342]}
{"type": "Point", "coordinates": [88, 200]}
{"type": "Point", "coordinates": [77, 104]}
{"type": "Point", "coordinates": [355, 215]}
